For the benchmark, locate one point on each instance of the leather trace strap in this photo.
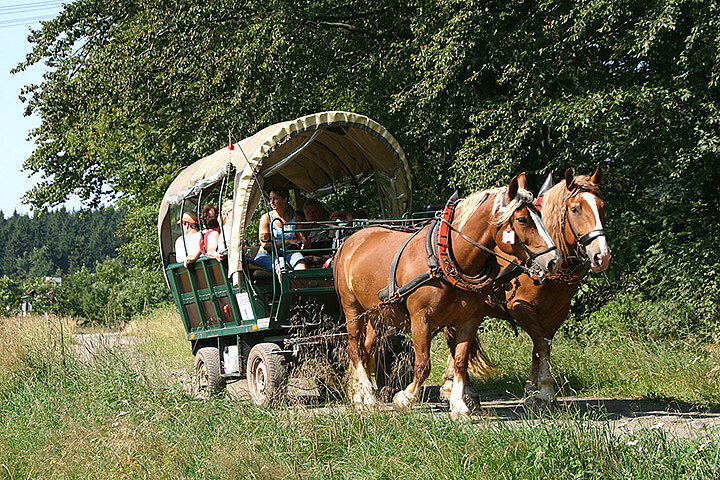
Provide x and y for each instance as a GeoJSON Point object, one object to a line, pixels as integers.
{"type": "Point", "coordinates": [392, 293]}
{"type": "Point", "coordinates": [440, 260]}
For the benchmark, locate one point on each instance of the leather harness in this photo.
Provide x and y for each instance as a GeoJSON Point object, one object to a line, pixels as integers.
{"type": "Point", "coordinates": [441, 261]}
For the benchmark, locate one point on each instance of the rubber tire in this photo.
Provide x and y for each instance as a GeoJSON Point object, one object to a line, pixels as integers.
{"type": "Point", "coordinates": [266, 374]}
{"type": "Point", "coordinates": [207, 381]}
{"type": "Point", "coordinates": [389, 381]}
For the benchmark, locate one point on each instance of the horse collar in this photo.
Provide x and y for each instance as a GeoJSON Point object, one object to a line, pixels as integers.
{"type": "Point", "coordinates": [449, 269]}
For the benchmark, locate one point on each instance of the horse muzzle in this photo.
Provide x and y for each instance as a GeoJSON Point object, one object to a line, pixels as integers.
{"type": "Point", "coordinates": [599, 261]}
{"type": "Point", "coordinates": [548, 263]}
{"type": "Point", "coordinates": [599, 254]}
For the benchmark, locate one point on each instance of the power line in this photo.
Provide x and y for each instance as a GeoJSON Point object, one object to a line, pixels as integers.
{"type": "Point", "coordinates": [24, 21]}
{"type": "Point", "coordinates": [28, 10]}
{"type": "Point", "coordinates": [12, 12]}
{"type": "Point", "coordinates": [35, 5]}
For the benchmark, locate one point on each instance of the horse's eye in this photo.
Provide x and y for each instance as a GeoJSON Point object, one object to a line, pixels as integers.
{"type": "Point", "coordinates": [575, 210]}
{"type": "Point", "coordinates": [522, 220]}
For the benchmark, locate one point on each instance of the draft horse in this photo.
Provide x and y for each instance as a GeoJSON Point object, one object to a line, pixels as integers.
{"type": "Point", "coordinates": [573, 213]}
{"type": "Point", "coordinates": [433, 296]}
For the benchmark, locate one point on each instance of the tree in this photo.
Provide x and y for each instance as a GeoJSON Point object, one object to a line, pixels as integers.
{"type": "Point", "coordinates": [474, 91]}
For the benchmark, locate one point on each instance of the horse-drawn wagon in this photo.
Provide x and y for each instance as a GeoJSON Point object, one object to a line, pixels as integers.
{"type": "Point", "coordinates": [244, 321]}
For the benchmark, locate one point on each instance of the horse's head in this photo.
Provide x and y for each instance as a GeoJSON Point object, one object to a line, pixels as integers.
{"type": "Point", "coordinates": [520, 231]}
{"type": "Point", "coordinates": [583, 219]}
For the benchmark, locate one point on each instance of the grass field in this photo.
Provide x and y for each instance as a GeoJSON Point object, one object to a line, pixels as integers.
{"type": "Point", "coordinates": [126, 414]}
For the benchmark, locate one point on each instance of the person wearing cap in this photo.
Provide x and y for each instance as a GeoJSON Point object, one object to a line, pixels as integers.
{"type": "Point", "coordinates": [188, 244]}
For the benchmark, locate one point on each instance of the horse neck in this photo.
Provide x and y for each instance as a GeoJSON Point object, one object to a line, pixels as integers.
{"type": "Point", "coordinates": [478, 226]}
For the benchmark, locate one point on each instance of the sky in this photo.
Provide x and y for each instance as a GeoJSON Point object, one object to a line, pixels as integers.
{"type": "Point", "coordinates": [16, 18]}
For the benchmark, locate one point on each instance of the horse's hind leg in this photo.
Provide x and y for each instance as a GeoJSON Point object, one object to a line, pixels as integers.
{"type": "Point", "coordinates": [421, 337]}
{"type": "Point", "coordinates": [361, 388]}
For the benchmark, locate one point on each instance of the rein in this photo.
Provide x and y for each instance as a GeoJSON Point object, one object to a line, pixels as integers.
{"type": "Point", "coordinates": [443, 265]}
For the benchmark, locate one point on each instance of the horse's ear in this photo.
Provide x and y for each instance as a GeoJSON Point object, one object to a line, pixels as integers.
{"type": "Point", "coordinates": [597, 176]}
{"type": "Point", "coordinates": [522, 181]}
{"type": "Point", "coordinates": [512, 189]}
{"type": "Point", "coordinates": [569, 178]}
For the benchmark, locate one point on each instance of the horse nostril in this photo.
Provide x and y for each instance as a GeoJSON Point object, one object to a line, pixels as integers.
{"type": "Point", "coordinates": [551, 265]}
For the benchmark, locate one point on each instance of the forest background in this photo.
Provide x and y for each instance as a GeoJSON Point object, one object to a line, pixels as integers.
{"type": "Point", "coordinates": [475, 92]}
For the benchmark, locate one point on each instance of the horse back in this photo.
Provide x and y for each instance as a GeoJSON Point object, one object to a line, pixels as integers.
{"type": "Point", "coordinates": [362, 265]}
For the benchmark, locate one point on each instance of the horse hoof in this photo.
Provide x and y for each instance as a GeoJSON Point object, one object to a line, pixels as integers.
{"type": "Point", "coordinates": [445, 394]}
{"type": "Point", "coordinates": [401, 401]}
{"type": "Point", "coordinates": [364, 399]}
{"type": "Point", "coordinates": [539, 402]}
{"type": "Point", "coordinates": [461, 416]}
{"type": "Point", "coordinates": [370, 401]}
{"type": "Point", "coordinates": [472, 402]}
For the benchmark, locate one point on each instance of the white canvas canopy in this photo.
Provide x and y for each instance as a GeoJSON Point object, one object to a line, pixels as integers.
{"type": "Point", "coordinates": [315, 154]}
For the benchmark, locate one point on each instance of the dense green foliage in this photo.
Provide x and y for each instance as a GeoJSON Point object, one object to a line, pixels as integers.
{"type": "Point", "coordinates": [474, 91]}
{"type": "Point", "coordinates": [108, 294]}
{"type": "Point", "coordinates": [56, 243]}
{"type": "Point", "coordinates": [71, 412]}
{"type": "Point", "coordinates": [81, 249]}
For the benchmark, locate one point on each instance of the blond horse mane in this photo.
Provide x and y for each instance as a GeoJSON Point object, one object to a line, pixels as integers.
{"type": "Point", "coordinates": [553, 210]}
{"type": "Point", "coordinates": [471, 203]}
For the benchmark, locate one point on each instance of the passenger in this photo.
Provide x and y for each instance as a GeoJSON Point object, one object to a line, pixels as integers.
{"type": "Point", "coordinates": [275, 220]}
{"type": "Point", "coordinates": [210, 235]}
{"type": "Point", "coordinates": [190, 238]}
{"type": "Point", "coordinates": [227, 219]}
{"type": "Point", "coordinates": [315, 212]}
{"type": "Point", "coordinates": [338, 217]}
{"type": "Point", "coordinates": [300, 216]}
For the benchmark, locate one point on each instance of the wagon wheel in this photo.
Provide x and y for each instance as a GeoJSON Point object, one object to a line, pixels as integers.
{"type": "Point", "coordinates": [393, 366]}
{"type": "Point", "coordinates": [266, 373]}
{"type": "Point", "coordinates": [208, 381]}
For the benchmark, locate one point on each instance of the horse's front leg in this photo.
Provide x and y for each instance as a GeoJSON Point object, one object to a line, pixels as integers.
{"type": "Point", "coordinates": [463, 341]}
{"type": "Point", "coordinates": [447, 379]}
{"type": "Point", "coordinates": [421, 338]}
{"type": "Point", "coordinates": [540, 387]}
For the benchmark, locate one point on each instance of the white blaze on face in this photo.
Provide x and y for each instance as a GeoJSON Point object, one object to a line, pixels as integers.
{"type": "Point", "coordinates": [541, 228]}
{"type": "Point", "coordinates": [602, 241]}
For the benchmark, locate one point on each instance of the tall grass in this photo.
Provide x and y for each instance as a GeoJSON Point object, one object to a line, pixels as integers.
{"type": "Point", "coordinates": [618, 365]}
{"type": "Point", "coordinates": [117, 414]}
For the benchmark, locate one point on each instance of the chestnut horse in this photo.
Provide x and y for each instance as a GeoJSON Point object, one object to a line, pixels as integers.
{"type": "Point", "coordinates": [573, 213]}
{"type": "Point", "coordinates": [363, 265]}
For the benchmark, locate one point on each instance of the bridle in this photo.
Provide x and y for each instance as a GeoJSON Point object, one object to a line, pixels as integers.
{"type": "Point", "coordinates": [581, 242]}
{"type": "Point", "coordinates": [529, 266]}
{"type": "Point", "coordinates": [531, 256]}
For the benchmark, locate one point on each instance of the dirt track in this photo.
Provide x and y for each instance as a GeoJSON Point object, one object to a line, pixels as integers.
{"type": "Point", "coordinates": [624, 415]}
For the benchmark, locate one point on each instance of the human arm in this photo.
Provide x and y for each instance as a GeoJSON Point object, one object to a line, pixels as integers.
{"type": "Point", "coordinates": [212, 245]}
{"type": "Point", "coordinates": [264, 233]}
{"type": "Point", "coordinates": [191, 258]}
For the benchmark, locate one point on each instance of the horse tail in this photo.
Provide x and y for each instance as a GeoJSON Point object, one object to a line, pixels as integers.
{"type": "Point", "coordinates": [479, 364]}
